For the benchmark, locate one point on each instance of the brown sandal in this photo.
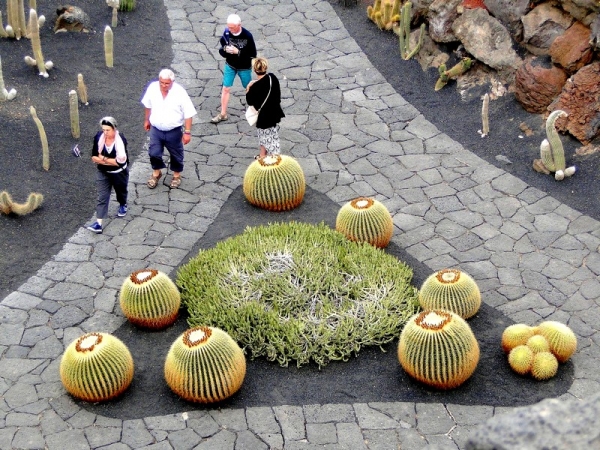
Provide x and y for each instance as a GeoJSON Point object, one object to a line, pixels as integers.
{"type": "Point", "coordinates": [175, 182]}
{"type": "Point", "coordinates": [153, 181]}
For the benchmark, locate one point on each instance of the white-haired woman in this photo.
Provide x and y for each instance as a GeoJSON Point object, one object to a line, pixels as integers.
{"type": "Point", "coordinates": [109, 153]}
{"type": "Point", "coordinates": [264, 94]}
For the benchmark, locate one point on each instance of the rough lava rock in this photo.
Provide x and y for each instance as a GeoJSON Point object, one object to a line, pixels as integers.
{"type": "Point", "coordinates": [486, 39]}
{"type": "Point", "coordinates": [580, 98]}
{"type": "Point", "coordinates": [572, 50]}
{"type": "Point", "coordinates": [537, 83]}
{"type": "Point", "coordinates": [542, 25]}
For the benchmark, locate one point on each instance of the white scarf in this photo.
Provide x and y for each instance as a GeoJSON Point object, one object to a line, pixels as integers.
{"type": "Point", "coordinates": [119, 146]}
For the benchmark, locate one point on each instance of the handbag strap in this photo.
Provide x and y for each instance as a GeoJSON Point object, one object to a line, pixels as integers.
{"type": "Point", "coordinates": [261, 106]}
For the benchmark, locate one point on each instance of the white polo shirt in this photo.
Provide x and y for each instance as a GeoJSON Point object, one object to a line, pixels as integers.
{"type": "Point", "coordinates": [171, 111]}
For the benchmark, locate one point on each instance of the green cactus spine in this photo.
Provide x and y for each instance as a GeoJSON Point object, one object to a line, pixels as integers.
{"type": "Point", "coordinates": [439, 349]}
{"type": "Point", "coordinates": [43, 139]}
{"type": "Point", "coordinates": [108, 46]}
{"type": "Point", "coordinates": [544, 366]}
{"type": "Point", "coordinates": [205, 365]}
{"type": "Point", "coordinates": [96, 367]}
{"type": "Point", "coordinates": [452, 290]}
{"type": "Point", "coordinates": [515, 335]}
{"type": "Point", "coordinates": [74, 114]}
{"type": "Point", "coordinates": [275, 183]}
{"type": "Point", "coordinates": [127, 5]}
{"type": "Point", "coordinates": [8, 206]}
{"type": "Point", "coordinates": [149, 299]}
{"type": "Point", "coordinates": [365, 220]}
{"type": "Point", "coordinates": [562, 340]}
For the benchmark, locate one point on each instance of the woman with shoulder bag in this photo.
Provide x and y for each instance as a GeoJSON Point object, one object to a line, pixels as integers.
{"type": "Point", "coordinates": [264, 94]}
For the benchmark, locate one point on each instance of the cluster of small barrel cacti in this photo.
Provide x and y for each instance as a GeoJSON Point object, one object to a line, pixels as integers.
{"type": "Point", "coordinates": [205, 365]}
{"type": "Point", "coordinates": [275, 183]}
{"type": "Point", "coordinates": [438, 348]}
{"type": "Point", "coordinates": [538, 350]}
{"type": "Point", "coordinates": [451, 290]}
{"type": "Point", "coordinates": [150, 299]}
{"type": "Point", "coordinates": [365, 220]}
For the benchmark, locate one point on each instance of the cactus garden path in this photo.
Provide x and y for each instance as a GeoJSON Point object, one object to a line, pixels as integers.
{"type": "Point", "coordinates": [356, 130]}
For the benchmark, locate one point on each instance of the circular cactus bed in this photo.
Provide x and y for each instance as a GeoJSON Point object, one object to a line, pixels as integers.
{"type": "Point", "coordinates": [298, 292]}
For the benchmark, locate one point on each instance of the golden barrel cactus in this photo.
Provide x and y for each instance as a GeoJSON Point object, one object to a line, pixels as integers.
{"type": "Point", "coordinates": [96, 367]}
{"type": "Point", "coordinates": [205, 365]}
{"type": "Point", "coordinates": [452, 290]}
{"type": "Point", "coordinates": [365, 220]}
{"type": "Point", "coordinates": [515, 335]}
{"type": "Point", "coordinates": [520, 359]}
{"type": "Point", "coordinates": [560, 337]}
{"type": "Point", "coordinates": [275, 183]}
{"type": "Point", "coordinates": [150, 299]}
{"type": "Point", "coordinates": [544, 366]}
{"type": "Point", "coordinates": [439, 349]}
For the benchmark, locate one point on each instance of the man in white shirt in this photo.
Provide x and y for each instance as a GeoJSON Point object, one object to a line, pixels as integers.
{"type": "Point", "coordinates": [169, 112]}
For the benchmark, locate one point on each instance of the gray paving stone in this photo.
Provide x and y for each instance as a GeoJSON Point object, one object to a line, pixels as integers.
{"type": "Point", "coordinates": [291, 420]}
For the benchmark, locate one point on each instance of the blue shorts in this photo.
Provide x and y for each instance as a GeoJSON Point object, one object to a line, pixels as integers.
{"type": "Point", "coordinates": [229, 74]}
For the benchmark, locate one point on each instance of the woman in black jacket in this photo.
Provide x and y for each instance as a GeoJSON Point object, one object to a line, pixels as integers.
{"type": "Point", "coordinates": [264, 94]}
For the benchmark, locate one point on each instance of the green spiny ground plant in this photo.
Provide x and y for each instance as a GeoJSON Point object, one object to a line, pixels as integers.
{"type": "Point", "coordinates": [269, 290]}
{"type": "Point", "coordinates": [439, 349]}
{"type": "Point", "coordinates": [96, 367]}
{"type": "Point", "coordinates": [365, 220]}
{"type": "Point", "coordinates": [275, 183]}
{"type": "Point", "coordinates": [552, 153]}
{"type": "Point", "coordinates": [403, 32]}
{"type": "Point", "coordinates": [205, 365]}
{"type": "Point", "coordinates": [454, 72]}
{"type": "Point", "coordinates": [8, 206]}
{"type": "Point", "coordinates": [149, 299]}
{"type": "Point", "coordinates": [452, 290]}
{"type": "Point", "coordinates": [127, 5]}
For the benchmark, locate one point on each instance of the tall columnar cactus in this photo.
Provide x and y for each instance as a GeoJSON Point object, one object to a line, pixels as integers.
{"type": "Point", "coordinates": [96, 367]}
{"type": "Point", "coordinates": [365, 220]}
{"type": "Point", "coordinates": [150, 299]}
{"type": "Point", "coordinates": [485, 116]}
{"type": "Point", "coordinates": [5, 94]}
{"type": "Point", "coordinates": [114, 4]}
{"type": "Point", "coordinates": [454, 72]}
{"type": "Point", "coordinates": [8, 206]}
{"type": "Point", "coordinates": [561, 339]}
{"type": "Point", "coordinates": [127, 5]}
{"type": "Point", "coordinates": [12, 12]}
{"type": "Point", "coordinates": [43, 139]}
{"type": "Point", "coordinates": [108, 46]}
{"type": "Point", "coordinates": [552, 153]}
{"type": "Point", "coordinates": [275, 183]}
{"type": "Point", "coordinates": [205, 365]}
{"type": "Point", "coordinates": [452, 290]}
{"type": "Point", "coordinates": [403, 32]}
{"type": "Point", "coordinates": [38, 57]}
{"type": "Point", "coordinates": [82, 89]}
{"type": "Point", "coordinates": [439, 349]}
{"type": "Point", "coordinates": [74, 114]}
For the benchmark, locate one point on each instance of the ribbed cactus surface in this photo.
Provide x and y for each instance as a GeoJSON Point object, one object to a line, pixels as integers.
{"type": "Point", "coordinates": [275, 183]}
{"type": "Point", "coordinates": [515, 335]}
{"type": "Point", "coordinates": [452, 290]}
{"type": "Point", "coordinates": [150, 299]}
{"type": "Point", "coordinates": [439, 349]}
{"type": "Point", "coordinates": [96, 367]}
{"type": "Point", "coordinates": [205, 365]}
{"type": "Point", "coordinates": [365, 220]}
{"type": "Point", "coordinates": [561, 339]}
{"type": "Point", "coordinates": [126, 5]}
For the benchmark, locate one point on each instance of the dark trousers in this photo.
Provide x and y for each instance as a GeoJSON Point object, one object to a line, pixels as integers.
{"type": "Point", "coordinates": [171, 140]}
{"type": "Point", "coordinates": [105, 182]}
